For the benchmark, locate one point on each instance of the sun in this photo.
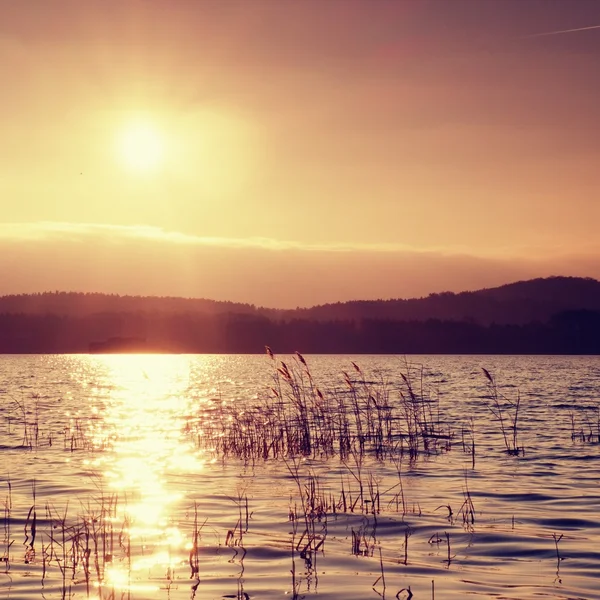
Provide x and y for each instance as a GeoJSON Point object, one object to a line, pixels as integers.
{"type": "Point", "coordinates": [141, 147]}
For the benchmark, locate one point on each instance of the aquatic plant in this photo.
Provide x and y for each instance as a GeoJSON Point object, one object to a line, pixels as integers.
{"type": "Point", "coordinates": [506, 412]}
{"type": "Point", "coordinates": [298, 418]}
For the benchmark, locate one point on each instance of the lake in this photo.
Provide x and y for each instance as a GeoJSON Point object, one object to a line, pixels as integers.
{"type": "Point", "coordinates": [258, 477]}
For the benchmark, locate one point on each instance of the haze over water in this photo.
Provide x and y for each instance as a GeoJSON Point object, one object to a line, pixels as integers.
{"type": "Point", "coordinates": [139, 491]}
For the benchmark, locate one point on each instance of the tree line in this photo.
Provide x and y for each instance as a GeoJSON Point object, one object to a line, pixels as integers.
{"type": "Point", "coordinates": [567, 332]}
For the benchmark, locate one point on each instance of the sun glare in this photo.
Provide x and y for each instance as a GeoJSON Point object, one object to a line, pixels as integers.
{"type": "Point", "coordinates": [141, 147]}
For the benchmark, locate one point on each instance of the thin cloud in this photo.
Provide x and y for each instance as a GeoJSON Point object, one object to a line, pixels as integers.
{"type": "Point", "coordinates": [149, 261]}
{"type": "Point", "coordinates": [561, 31]}
{"type": "Point", "coordinates": [57, 234]}
{"type": "Point", "coordinates": [84, 232]}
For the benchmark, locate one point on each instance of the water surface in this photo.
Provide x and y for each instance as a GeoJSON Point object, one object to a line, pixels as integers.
{"type": "Point", "coordinates": [125, 476]}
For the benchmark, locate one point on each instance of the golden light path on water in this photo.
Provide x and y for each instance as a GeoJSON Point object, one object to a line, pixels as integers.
{"type": "Point", "coordinates": [142, 431]}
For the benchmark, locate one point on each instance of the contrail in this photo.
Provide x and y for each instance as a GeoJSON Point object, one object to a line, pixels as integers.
{"type": "Point", "coordinates": [561, 31]}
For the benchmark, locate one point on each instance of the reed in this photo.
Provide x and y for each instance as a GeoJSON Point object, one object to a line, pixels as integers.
{"type": "Point", "coordinates": [407, 534]}
{"type": "Point", "coordinates": [467, 510]}
{"type": "Point", "coordinates": [381, 577]}
{"type": "Point", "coordinates": [556, 542]}
{"type": "Point", "coordinates": [506, 412]}
{"type": "Point", "coordinates": [590, 419]}
{"type": "Point", "coordinates": [408, 596]}
{"type": "Point", "coordinates": [450, 557]}
{"type": "Point", "coordinates": [296, 417]}
{"type": "Point", "coordinates": [29, 419]}
{"type": "Point", "coordinates": [8, 540]}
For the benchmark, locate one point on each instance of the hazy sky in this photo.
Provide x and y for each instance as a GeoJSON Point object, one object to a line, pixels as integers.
{"type": "Point", "coordinates": [292, 152]}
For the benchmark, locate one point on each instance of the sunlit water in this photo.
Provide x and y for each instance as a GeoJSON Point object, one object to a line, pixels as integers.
{"type": "Point", "coordinates": [129, 503]}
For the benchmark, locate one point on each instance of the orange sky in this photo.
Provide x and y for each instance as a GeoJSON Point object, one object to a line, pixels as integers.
{"type": "Point", "coordinates": [306, 151]}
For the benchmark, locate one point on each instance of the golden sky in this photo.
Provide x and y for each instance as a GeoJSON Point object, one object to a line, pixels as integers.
{"type": "Point", "coordinates": [288, 152]}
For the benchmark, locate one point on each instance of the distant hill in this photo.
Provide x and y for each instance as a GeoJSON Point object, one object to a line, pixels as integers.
{"type": "Point", "coordinates": [558, 315]}
{"type": "Point", "coordinates": [536, 300]}
{"type": "Point", "coordinates": [514, 303]}
{"type": "Point", "coordinates": [78, 304]}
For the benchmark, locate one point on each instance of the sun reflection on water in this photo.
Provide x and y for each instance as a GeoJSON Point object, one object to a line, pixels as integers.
{"type": "Point", "coordinates": [142, 436]}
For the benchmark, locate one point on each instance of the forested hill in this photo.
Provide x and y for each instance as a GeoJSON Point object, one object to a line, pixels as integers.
{"type": "Point", "coordinates": [515, 303]}
{"type": "Point", "coordinates": [544, 316]}
{"type": "Point", "coordinates": [76, 304]}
